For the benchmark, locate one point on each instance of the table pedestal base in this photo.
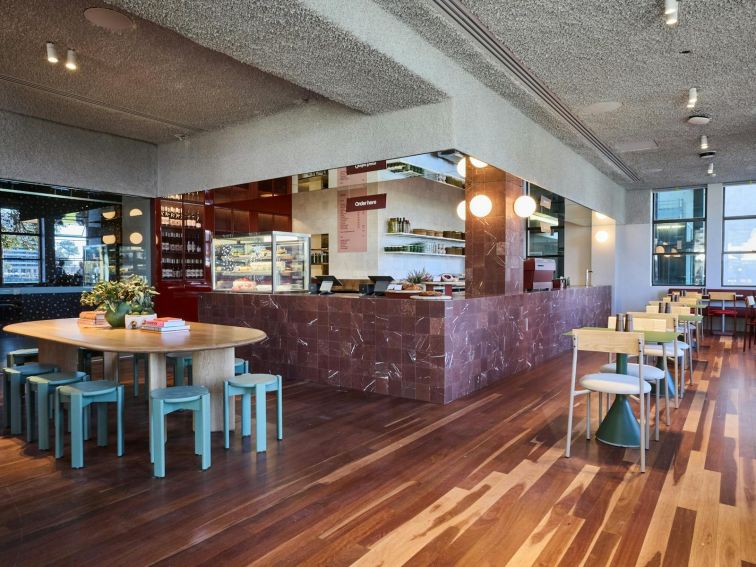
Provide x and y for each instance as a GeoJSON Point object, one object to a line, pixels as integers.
{"type": "Point", "coordinates": [619, 427]}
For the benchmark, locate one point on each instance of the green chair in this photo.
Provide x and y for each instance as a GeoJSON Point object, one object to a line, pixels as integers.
{"type": "Point", "coordinates": [14, 378]}
{"type": "Point", "coordinates": [245, 385]}
{"type": "Point", "coordinates": [78, 397]}
{"type": "Point", "coordinates": [39, 394]}
{"type": "Point", "coordinates": [21, 356]}
{"type": "Point", "coordinates": [143, 357]}
{"type": "Point", "coordinates": [167, 400]}
{"type": "Point", "coordinates": [183, 360]}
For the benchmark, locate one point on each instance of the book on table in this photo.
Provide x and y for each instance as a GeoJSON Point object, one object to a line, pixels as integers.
{"type": "Point", "coordinates": [171, 329]}
{"type": "Point", "coordinates": [166, 322]}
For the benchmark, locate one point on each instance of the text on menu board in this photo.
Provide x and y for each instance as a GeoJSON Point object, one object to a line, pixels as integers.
{"type": "Point", "coordinates": [352, 227]}
{"type": "Point", "coordinates": [367, 203]}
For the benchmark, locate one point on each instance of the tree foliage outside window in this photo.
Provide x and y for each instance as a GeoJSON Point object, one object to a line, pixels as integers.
{"type": "Point", "coordinates": [19, 241]}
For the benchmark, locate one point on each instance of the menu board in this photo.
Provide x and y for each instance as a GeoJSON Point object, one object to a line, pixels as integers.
{"type": "Point", "coordinates": [343, 178]}
{"type": "Point", "coordinates": [352, 227]}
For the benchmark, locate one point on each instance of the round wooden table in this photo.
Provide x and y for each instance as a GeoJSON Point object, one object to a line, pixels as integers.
{"type": "Point", "coordinates": [212, 348]}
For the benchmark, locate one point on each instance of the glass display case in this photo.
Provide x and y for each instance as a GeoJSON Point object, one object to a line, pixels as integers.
{"type": "Point", "coordinates": [262, 262]}
{"type": "Point", "coordinates": [96, 266]}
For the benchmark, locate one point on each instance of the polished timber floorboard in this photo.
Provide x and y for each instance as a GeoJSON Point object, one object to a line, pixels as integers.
{"type": "Point", "coordinates": [368, 480]}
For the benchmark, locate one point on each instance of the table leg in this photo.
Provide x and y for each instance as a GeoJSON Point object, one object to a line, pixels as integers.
{"type": "Point", "coordinates": [210, 368]}
{"type": "Point", "coordinates": [620, 427]}
{"type": "Point", "coordinates": [110, 363]}
{"type": "Point", "coordinates": [65, 357]}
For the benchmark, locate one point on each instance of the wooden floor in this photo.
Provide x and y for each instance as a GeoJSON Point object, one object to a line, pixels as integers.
{"type": "Point", "coordinates": [368, 480]}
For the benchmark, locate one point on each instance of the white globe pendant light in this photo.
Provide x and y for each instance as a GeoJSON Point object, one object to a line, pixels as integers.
{"type": "Point", "coordinates": [480, 206]}
{"type": "Point", "coordinates": [462, 210]}
{"type": "Point", "coordinates": [524, 206]}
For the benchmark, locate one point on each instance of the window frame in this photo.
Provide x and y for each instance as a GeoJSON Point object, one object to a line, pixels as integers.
{"type": "Point", "coordinates": [39, 235]}
{"type": "Point", "coordinates": [655, 222]}
{"type": "Point", "coordinates": [725, 218]}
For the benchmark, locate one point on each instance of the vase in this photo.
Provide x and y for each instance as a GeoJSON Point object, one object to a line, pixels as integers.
{"type": "Point", "coordinates": [116, 318]}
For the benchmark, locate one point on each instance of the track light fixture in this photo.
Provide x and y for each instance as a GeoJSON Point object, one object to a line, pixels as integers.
{"type": "Point", "coordinates": [52, 53]}
{"type": "Point", "coordinates": [710, 171]}
{"type": "Point", "coordinates": [692, 97]}
{"type": "Point", "coordinates": [670, 12]}
{"type": "Point", "coordinates": [704, 143]}
{"type": "Point", "coordinates": [71, 61]}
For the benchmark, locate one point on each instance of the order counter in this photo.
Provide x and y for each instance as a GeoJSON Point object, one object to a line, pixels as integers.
{"type": "Point", "coordinates": [427, 350]}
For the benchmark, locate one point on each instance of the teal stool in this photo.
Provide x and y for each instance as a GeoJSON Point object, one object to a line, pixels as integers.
{"type": "Point", "coordinates": [183, 360]}
{"type": "Point", "coordinates": [14, 378]}
{"type": "Point", "coordinates": [143, 357]}
{"type": "Point", "coordinates": [21, 356]}
{"type": "Point", "coordinates": [78, 397]}
{"type": "Point", "coordinates": [244, 385]}
{"type": "Point", "coordinates": [167, 400]}
{"type": "Point", "coordinates": [39, 394]}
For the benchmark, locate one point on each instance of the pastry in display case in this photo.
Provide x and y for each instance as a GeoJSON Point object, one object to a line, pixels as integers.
{"type": "Point", "coordinates": [262, 262]}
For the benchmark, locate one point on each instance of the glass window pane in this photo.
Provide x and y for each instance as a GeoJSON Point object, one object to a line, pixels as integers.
{"type": "Point", "coordinates": [740, 200]}
{"type": "Point", "coordinates": [678, 237]}
{"type": "Point", "coordinates": [739, 269]}
{"type": "Point", "coordinates": [678, 269]}
{"type": "Point", "coordinates": [543, 243]}
{"type": "Point", "coordinates": [740, 235]}
{"type": "Point", "coordinates": [20, 246]}
{"type": "Point", "coordinates": [20, 271]}
{"type": "Point", "coordinates": [11, 221]}
{"type": "Point", "coordinates": [69, 248]}
{"type": "Point", "coordinates": [680, 204]}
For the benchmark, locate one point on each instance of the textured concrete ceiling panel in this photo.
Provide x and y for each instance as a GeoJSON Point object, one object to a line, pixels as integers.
{"type": "Point", "coordinates": [590, 51]}
{"type": "Point", "coordinates": [291, 41]}
{"type": "Point", "coordinates": [147, 83]}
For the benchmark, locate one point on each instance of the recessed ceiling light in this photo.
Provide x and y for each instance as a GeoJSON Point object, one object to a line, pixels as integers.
{"type": "Point", "coordinates": [52, 53]}
{"type": "Point", "coordinates": [685, 52]}
{"type": "Point", "coordinates": [636, 146]}
{"type": "Point", "coordinates": [707, 155]}
{"type": "Point", "coordinates": [699, 119]}
{"type": "Point", "coordinates": [72, 62]}
{"type": "Point", "coordinates": [654, 170]}
{"type": "Point", "coordinates": [108, 19]}
{"type": "Point", "coordinates": [601, 107]}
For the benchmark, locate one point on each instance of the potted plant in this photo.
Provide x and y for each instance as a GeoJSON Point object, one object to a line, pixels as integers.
{"type": "Point", "coordinates": [121, 298]}
{"type": "Point", "coordinates": [140, 295]}
{"type": "Point", "coordinates": [415, 279]}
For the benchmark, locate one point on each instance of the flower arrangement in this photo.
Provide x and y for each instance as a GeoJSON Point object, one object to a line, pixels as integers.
{"type": "Point", "coordinates": [415, 279]}
{"type": "Point", "coordinates": [132, 296]}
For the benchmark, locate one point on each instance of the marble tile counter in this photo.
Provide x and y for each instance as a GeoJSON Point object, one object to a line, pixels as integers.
{"type": "Point", "coordinates": [434, 351]}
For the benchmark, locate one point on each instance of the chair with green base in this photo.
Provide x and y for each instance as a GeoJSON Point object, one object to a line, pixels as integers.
{"type": "Point", "coordinates": [143, 357]}
{"type": "Point", "coordinates": [183, 360]}
{"type": "Point", "coordinates": [245, 385]}
{"type": "Point", "coordinates": [14, 379]}
{"type": "Point", "coordinates": [78, 397]}
{"type": "Point", "coordinates": [21, 356]}
{"type": "Point", "coordinates": [39, 393]}
{"type": "Point", "coordinates": [167, 400]}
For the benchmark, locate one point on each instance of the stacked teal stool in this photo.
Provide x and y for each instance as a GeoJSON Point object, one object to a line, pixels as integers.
{"type": "Point", "coordinates": [167, 400]}
{"type": "Point", "coordinates": [245, 385]}
{"type": "Point", "coordinates": [78, 397]}
{"type": "Point", "coordinates": [14, 378]}
{"type": "Point", "coordinates": [39, 393]}
{"type": "Point", "coordinates": [21, 356]}
{"type": "Point", "coordinates": [183, 360]}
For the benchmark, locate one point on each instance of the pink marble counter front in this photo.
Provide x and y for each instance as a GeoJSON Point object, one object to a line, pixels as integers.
{"type": "Point", "coordinates": [426, 350]}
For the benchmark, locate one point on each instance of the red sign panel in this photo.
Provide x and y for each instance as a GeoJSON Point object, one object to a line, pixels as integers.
{"type": "Point", "coordinates": [363, 167]}
{"type": "Point", "coordinates": [366, 203]}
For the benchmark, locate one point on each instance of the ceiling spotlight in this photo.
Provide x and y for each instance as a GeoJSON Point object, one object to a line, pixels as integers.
{"type": "Point", "coordinates": [710, 171]}
{"type": "Point", "coordinates": [692, 97]}
{"type": "Point", "coordinates": [704, 143]}
{"type": "Point", "coordinates": [52, 53]}
{"type": "Point", "coordinates": [71, 61]}
{"type": "Point", "coordinates": [670, 12]}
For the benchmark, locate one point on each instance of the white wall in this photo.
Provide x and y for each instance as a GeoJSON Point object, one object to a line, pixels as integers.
{"type": "Point", "coordinates": [38, 151]}
{"type": "Point", "coordinates": [577, 252]}
{"type": "Point", "coordinates": [604, 258]}
{"type": "Point", "coordinates": [426, 204]}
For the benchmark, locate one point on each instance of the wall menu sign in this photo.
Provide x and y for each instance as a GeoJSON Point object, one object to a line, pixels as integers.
{"type": "Point", "coordinates": [351, 229]}
{"type": "Point", "coordinates": [364, 167]}
{"type": "Point", "coordinates": [366, 203]}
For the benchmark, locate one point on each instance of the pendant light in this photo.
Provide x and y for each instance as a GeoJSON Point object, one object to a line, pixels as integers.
{"type": "Point", "coordinates": [524, 206]}
{"type": "Point", "coordinates": [462, 210]}
{"type": "Point", "coordinates": [481, 205]}
{"type": "Point", "coordinates": [52, 53]}
{"type": "Point", "coordinates": [71, 60]}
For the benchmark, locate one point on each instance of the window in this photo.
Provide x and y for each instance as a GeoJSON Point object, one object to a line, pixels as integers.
{"type": "Point", "coordinates": [545, 228]}
{"type": "Point", "coordinates": [19, 242]}
{"type": "Point", "coordinates": [739, 238]}
{"type": "Point", "coordinates": [70, 240]}
{"type": "Point", "coordinates": [679, 233]}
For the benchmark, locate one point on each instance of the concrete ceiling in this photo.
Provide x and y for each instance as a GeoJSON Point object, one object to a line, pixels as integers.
{"type": "Point", "coordinates": [593, 51]}
{"type": "Point", "coordinates": [147, 83]}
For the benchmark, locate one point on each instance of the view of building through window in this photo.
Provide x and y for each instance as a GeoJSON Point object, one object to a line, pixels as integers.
{"type": "Point", "coordinates": [19, 241]}
{"type": "Point", "coordinates": [739, 236]}
{"type": "Point", "coordinates": [679, 237]}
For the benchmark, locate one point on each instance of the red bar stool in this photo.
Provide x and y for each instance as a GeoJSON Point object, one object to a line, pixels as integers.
{"type": "Point", "coordinates": [723, 311]}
